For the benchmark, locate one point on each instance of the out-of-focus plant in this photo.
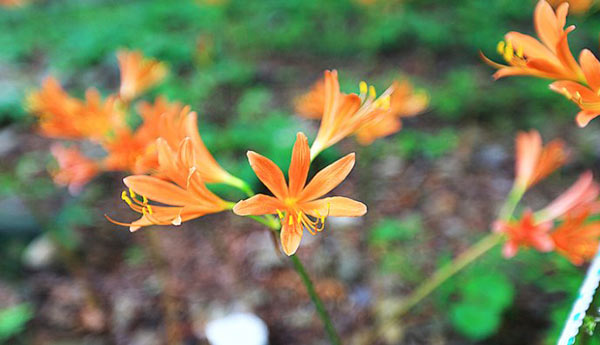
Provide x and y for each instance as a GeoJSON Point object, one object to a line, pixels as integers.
{"type": "Point", "coordinates": [13, 320]}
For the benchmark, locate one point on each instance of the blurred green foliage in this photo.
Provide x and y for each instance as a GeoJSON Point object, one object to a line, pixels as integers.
{"type": "Point", "coordinates": [240, 64]}
{"type": "Point", "coordinates": [13, 320]}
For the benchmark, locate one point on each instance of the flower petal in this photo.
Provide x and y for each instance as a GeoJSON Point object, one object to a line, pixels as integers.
{"type": "Point", "coordinates": [159, 190]}
{"type": "Point", "coordinates": [299, 165]}
{"type": "Point", "coordinates": [336, 206]}
{"type": "Point", "coordinates": [529, 148]}
{"type": "Point", "coordinates": [591, 68]}
{"type": "Point", "coordinates": [328, 178]}
{"type": "Point", "coordinates": [258, 205]}
{"type": "Point", "coordinates": [269, 174]}
{"type": "Point", "coordinates": [291, 235]}
{"type": "Point", "coordinates": [585, 116]}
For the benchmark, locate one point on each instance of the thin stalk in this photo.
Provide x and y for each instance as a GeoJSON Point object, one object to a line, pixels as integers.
{"type": "Point", "coordinates": [273, 224]}
{"type": "Point", "coordinates": [241, 185]}
{"type": "Point", "coordinates": [328, 325]}
{"type": "Point", "coordinates": [449, 270]}
{"type": "Point", "coordinates": [514, 197]}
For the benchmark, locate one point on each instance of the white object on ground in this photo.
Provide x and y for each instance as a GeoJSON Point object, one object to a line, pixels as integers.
{"type": "Point", "coordinates": [237, 329]}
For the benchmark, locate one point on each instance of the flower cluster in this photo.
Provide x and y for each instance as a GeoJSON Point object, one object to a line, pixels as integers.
{"type": "Point", "coordinates": [566, 224]}
{"type": "Point", "coordinates": [171, 164]}
{"type": "Point", "coordinates": [549, 56]}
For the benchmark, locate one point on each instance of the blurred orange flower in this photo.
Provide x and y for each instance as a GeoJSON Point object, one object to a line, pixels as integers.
{"type": "Point", "coordinates": [551, 58]}
{"type": "Point", "coordinates": [573, 237]}
{"type": "Point", "coordinates": [533, 161]}
{"type": "Point", "coordinates": [297, 202]}
{"type": "Point", "coordinates": [183, 196]}
{"type": "Point", "coordinates": [74, 169]}
{"type": "Point", "coordinates": [138, 73]}
{"type": "Point", "coordinates": [525, 232]}
{"type": "Point", "coordinates": [575, 6]}
{"type": "Point", "coordinates": [365, 115]}
{"type": "Point", "coordinates": [577, 240]}
{"type": "Point", "coordinates": [13, 3]}
{"type": "Point", "coordinates": [586, 97]}
{"type": "Point", "coordinates": [62, 116]}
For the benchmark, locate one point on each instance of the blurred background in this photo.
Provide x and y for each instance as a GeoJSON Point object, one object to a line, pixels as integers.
{"type": "Point", "coordinates": [68, 276]}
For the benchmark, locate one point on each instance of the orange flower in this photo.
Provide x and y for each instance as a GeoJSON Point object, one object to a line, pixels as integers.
{"type": "Point", "coordinates": [365, 115]}
{"type": "Point", "coordinates": [572, 238]}
{"type": "Point", "coordinates": [66, 117]}
{"type": "Point", "coordinates": [577, 240]}
{"type": "Point", "coordinates": [138, 73]}
{"type": "Point", "coordinates": [12, 3]}
{"type": "Point", "coordinates": [525, 232]}
{"type": "Point", "coordinates": [586, 97]}
{"type": "Point", "coordinates": [533, 161]}
{"type": "Point", "coordinates": [173, 124]}
{"type": "Point", "coordinates": [582, 195]}
{"type": "Point", "coordinates": [296, 202]}
{"type": "Point", "coordinates": [74, 169]}
{"type": "Point", "coordinates": [404, 102]}
{"type": "Point", "coordinates": [185, 199]}
{"type": "Point", "coordinates": [575, 6]}
{"type": "Point", "coordinates": [551, 58]}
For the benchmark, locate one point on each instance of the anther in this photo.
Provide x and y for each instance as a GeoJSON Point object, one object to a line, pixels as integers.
{"type": "Point", "coordinates": [362, 86]}
{"type": "Point", "coordinates": [500, 47]}
{"type": "Point", "coordinates": [372, 92]}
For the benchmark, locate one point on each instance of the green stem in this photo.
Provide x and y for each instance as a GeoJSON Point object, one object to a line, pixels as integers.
{"type": "Point", "coordinates": [513, 199]}
{"type": "Point", "coordinates": [273, 224]}
{"type": "Point", "coordinates": [449, 270]}
{"type": "Point", "coordinates": [329, 328]}
{"type": "Point", "coordinates": [241, 185]}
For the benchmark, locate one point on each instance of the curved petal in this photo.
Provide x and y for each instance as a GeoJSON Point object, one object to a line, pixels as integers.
{"type": "Point", "coordinates": [574, 91]}
{"type": "Point", "coordinates": [585, 116]}
{"type": "Point", "coordinates": [291, 235]}
{"type": "Point", "coordinates": [299, 165]}
{"type": "Point", "coordinates": [258, 205]}
{"type": "Point", "coordinates": [529, 148]}
{"type": "Point", "coordinates": [532, 48]}
{"type": "Point", "coordinates": [546, 24]}
{"type": "Point", "coordinates": [269, 174]}
{"type": "Point", "coordinates": [563, 52]}
{"type": "Point", "coordinates": [159, 190]}
{"type": "Point", "coordinates": [591, 68]}
{"type": "Point", "coordinates": [337, 206]}
{"type": "Point", "coordinates": [328, 178]}
{"type": "Point", "coordinates": [584, 190]}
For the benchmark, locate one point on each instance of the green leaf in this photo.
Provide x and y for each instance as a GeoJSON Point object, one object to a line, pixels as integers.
{"type": "Point", "coordinates": [476, 322]}
{"type": "Point", "coordinates": [13, 320]}
{"type": "Point", "coordinates": [390, 230]}
{"type": "Point", "coordinates": [494, 291]}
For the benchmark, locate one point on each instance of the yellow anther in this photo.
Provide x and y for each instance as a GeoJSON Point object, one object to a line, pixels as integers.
{"type": "Point", "coordinates": [144, 199]}
{"type": "Point", "coordinates": [299, 217]}
{"type": "Point", "coordinates": [509, 52]}
{"type": "Point", "coordinates": [372, 92]}
{"type": "Point", "coordinates": [383, 102]}
{"type": "Point", "coordinates": [132, 193]}
{"type": "Point", "coordinates": [126, 198]}
{"type": "Point", "coordinates": [500, 47]}
{"type": "Point", "coordinates": [149, 209]}
{"type": "Point", "coordinates": [291, 220]}
{"type": "Point", "coordinates": [362, 86]}
{"type": "Point", "coordinates": [280, 214]}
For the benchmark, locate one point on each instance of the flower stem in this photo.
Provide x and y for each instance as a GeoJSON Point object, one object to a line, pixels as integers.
{"type": "Point", "coordinates": [241, 185]}
{"type": "Point", "coordinates": [514, 197]}
{"type": "Point", "coordinates": [328, 325]}
{"type": "Point", "coordinates": [450, 269]}
{"type": "Point", "coordinates": [273, 224]}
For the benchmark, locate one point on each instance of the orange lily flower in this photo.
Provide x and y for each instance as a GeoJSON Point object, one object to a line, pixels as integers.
{"type": "Point", "coordinates": [74, 169]}
{"type": "Point", "coordinates": [575, 6]}
{"type": "Point", "coordinates": [573, 207]}
{"type": "Point", "coordinates": [185, 199]}
{"type": "Point", "coordinates": [533, 161]}
{"type": "Point", "coordinates": [575, 239]}
{"type": "Point", "coordinates": [12, 3]}
{"type": "Point", "coordinates": [296, 202]}
{"type": "Point", "coordinates": [174, 124]}
{"type": "Point", "coordinates": [586, 97]}
{"type": "Point", "coordinates": [65, 117]}
{"type": "Point", "coordinates": [551, 58]}
{"type": "Point", "coordinates": [525, 232]}
{"type": "Point", "coordinates": [404, 102]}
{"type": "Point", "coordinates": [582, 195]}
{"type": "Point", "coordinates": [138, 73]}
{"type": "Point", "coordinates": [347, 114]}
{"type": "Point", "coordinates": [312, 103]}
